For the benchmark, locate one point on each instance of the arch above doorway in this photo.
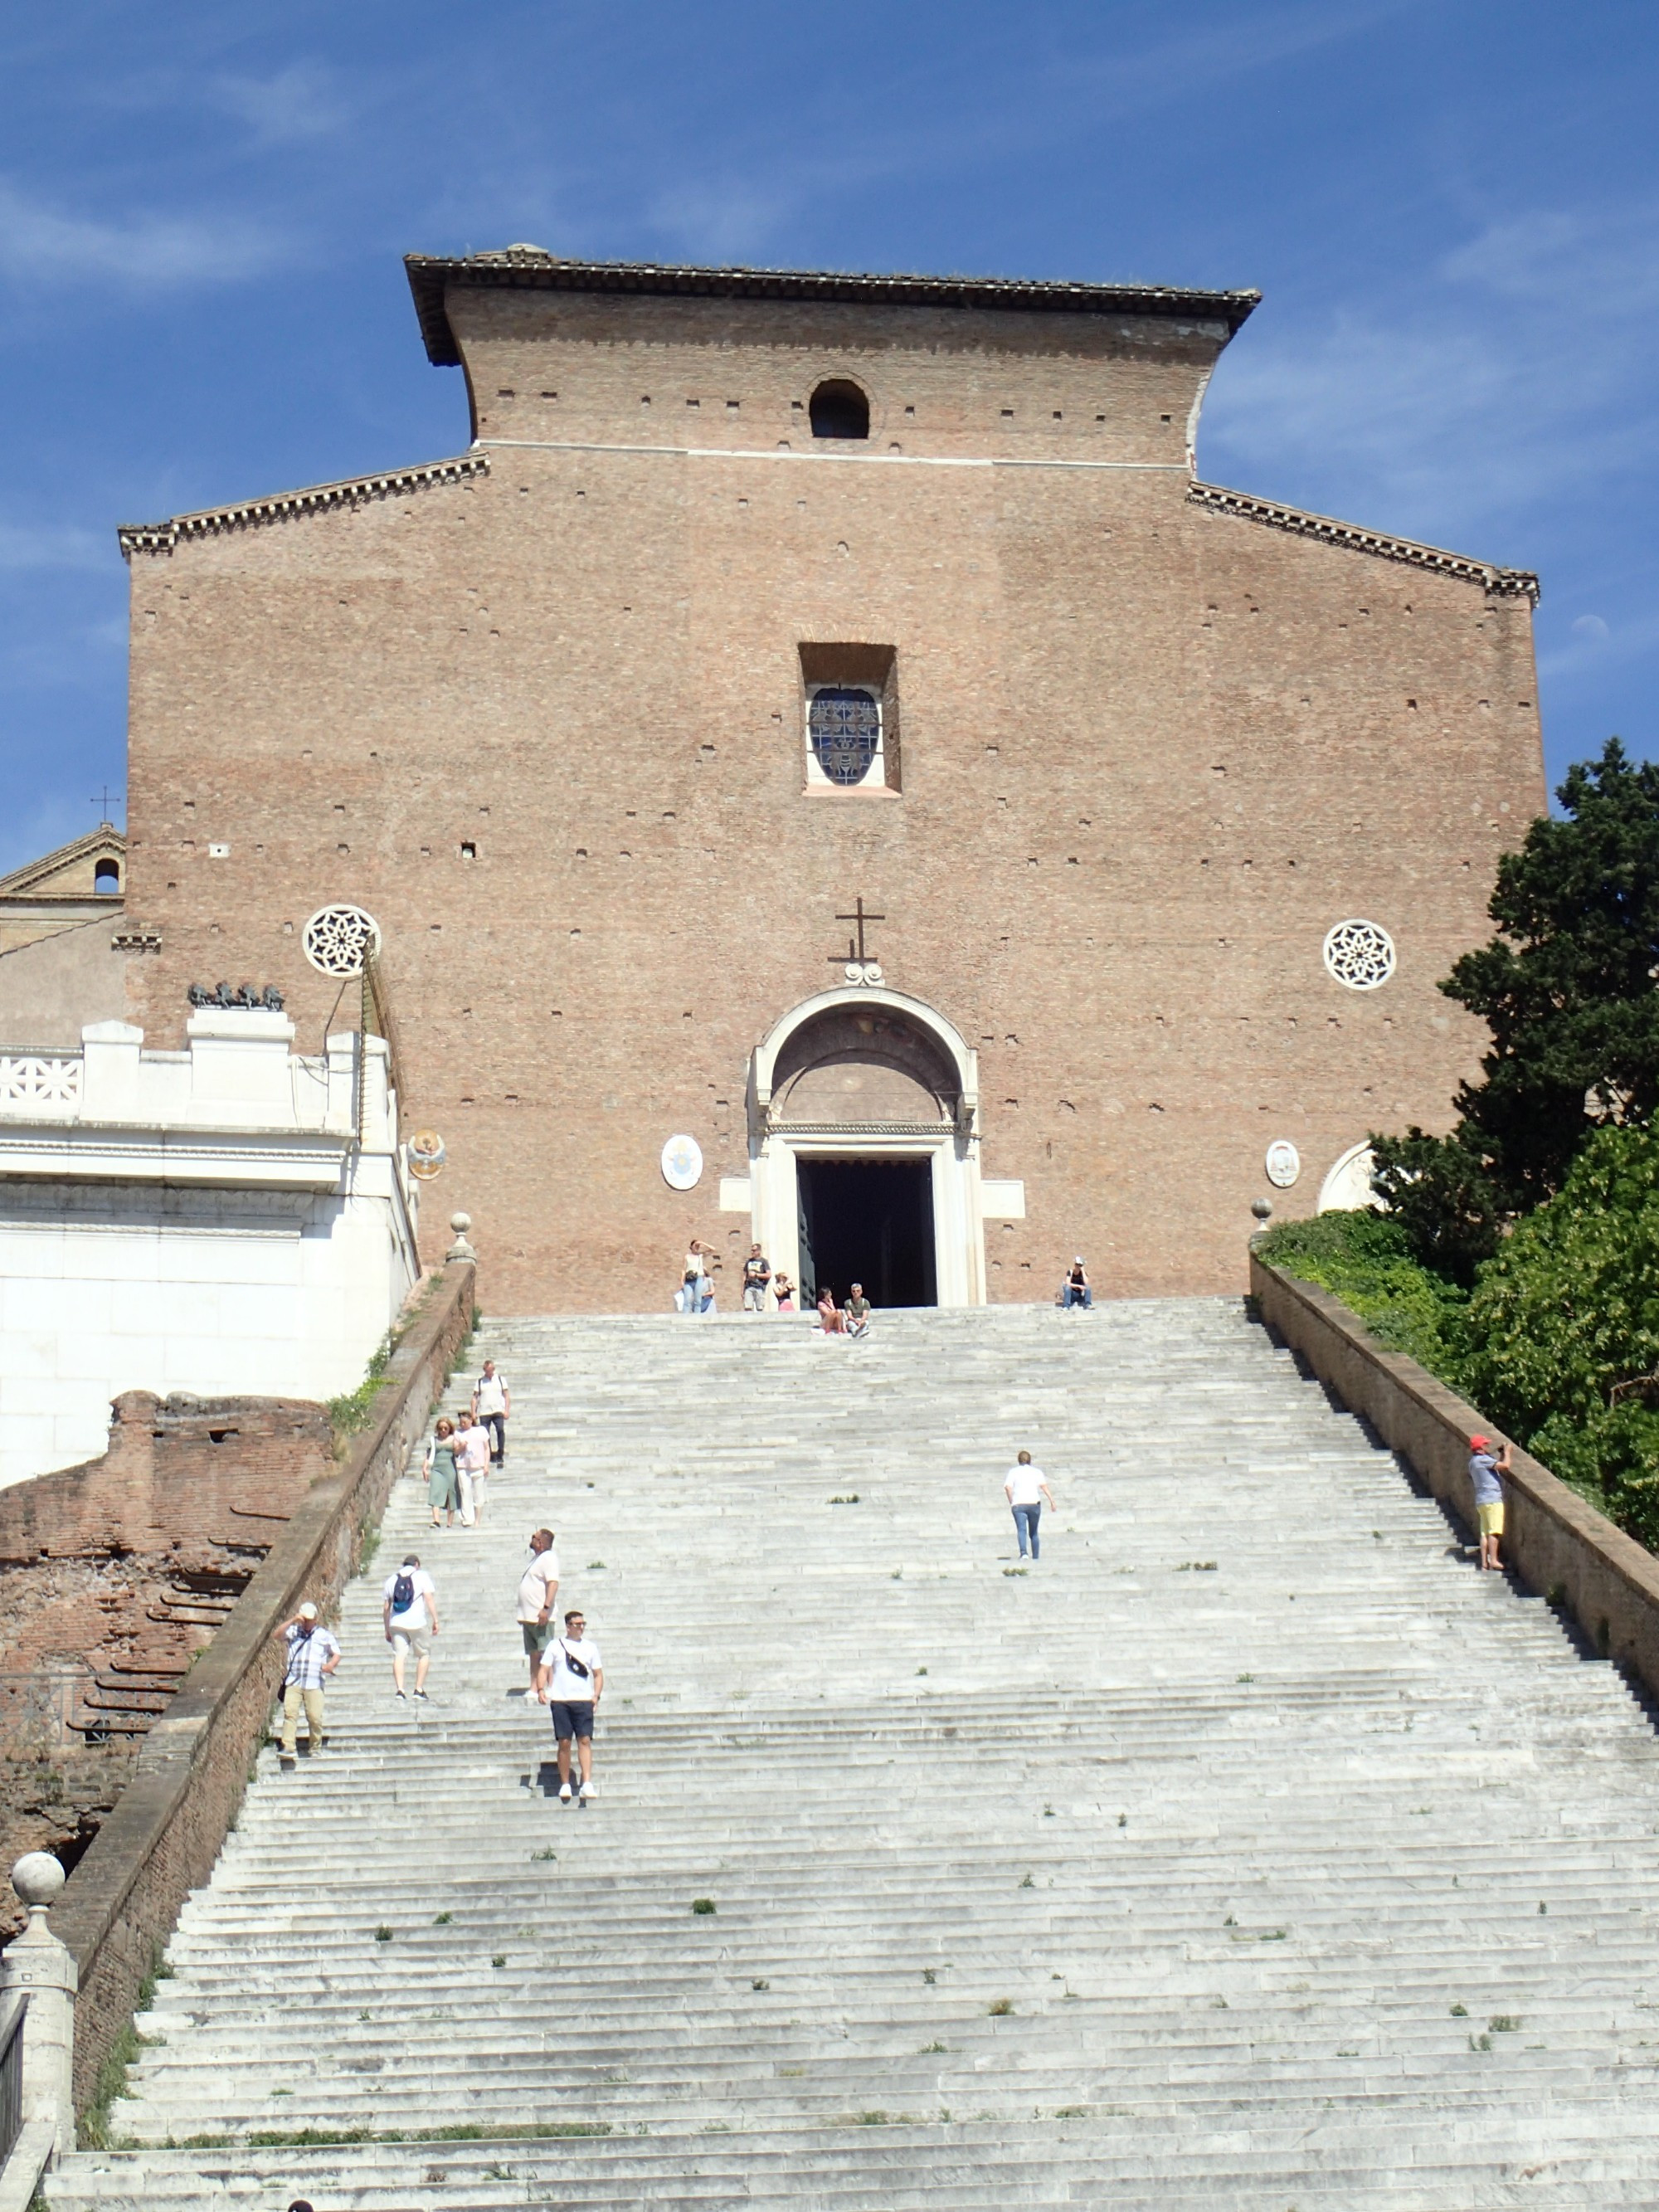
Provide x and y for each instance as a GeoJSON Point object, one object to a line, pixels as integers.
{"type": "Point", "coordinates": [915, 1033]}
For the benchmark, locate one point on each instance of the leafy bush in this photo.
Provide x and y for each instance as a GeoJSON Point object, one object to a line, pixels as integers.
{"type": "Point", "coordinates": [1364, 1258]}
{"type": "Point", "coordinates": [1565, 990]}
{"type": "Point", "coordinates": [1564, 1328]}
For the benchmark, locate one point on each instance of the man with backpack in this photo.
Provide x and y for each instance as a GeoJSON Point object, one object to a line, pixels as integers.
{"type": "Point", "coordinates": [492, 1401]}
{"type": "Point", "coordinates": [409, 1611]}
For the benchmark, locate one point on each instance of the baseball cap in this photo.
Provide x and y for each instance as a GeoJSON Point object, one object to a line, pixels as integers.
{"type": "Point", "coordinates": [307, 1611]}
{"type": "Point", "coordinates": [1478, 1443]}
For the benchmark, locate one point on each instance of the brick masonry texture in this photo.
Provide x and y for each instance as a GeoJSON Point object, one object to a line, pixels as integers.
{"type": "Point", "coordinates": [1151, 752]}
{"type": "Point", "coordinates": [87, 1556]}
{"type": "Point", "coordinates": [122, 1901]}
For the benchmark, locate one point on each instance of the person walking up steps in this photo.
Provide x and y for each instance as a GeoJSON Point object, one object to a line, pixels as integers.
{"type": "Point", "coordinates": [1026, 1487]}
{"type": "Point", "coordinates": [313, 1657]}
{"type": "Point", "coordinates": [492, 1401]}
{"type": "Point", "coordinates": [409, 1609]}
{"type": "Point", "coordinates": [573, 1694]}
{"type": "Point", "coordinates": [538, 1585]}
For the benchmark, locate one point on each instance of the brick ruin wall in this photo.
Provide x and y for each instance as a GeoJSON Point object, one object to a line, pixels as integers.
{"type": "Point", "coordinates": [545, 723]}
{"type": "Point", "coordinates": [113, 1576]}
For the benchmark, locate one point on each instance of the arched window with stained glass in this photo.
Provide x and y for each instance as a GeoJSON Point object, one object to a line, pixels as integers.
{"type": "Point", "coordinates": [843, 723]}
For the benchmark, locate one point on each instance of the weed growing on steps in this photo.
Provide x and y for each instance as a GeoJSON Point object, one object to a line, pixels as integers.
{"type": "Point", "coordinates": [928, 1975]}
{"type": "Point", "coordinates": [1028, 1883]}
{"type": "Point", "coordinates": [443, 1920]}
{"type": "Point", "coordinates": [93, 2131]}
{"type": "Point", "coordinates": [1460, 2012]}
{"type": "Point", "coordinates": [704, 1904]}
{"type": "Point", "coordinates": [500, 1959]}
{"type": "Point", "coordinates": [383, 1934]}
{"type": "Point", "coordinates": [851, 1498]}
{"type": "Point", "coordinates": [536, 1859]}
{"type": "Point", "coordinates": [759, 1985]}
{"type": "Point", "coordinates": [1001, 2009]}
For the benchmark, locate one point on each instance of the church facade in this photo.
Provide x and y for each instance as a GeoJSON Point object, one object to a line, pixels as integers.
{"type": "Point", "coordinates": [821, 767]}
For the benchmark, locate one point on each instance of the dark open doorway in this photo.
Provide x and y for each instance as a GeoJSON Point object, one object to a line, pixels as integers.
{"type": "Point", "coordinates": [869, 1222]}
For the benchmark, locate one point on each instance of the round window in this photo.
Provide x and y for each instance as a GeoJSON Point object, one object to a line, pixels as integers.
{"type": "Point", "coordinates": [1359, 955]}
{"type": "Point", "coordinates": [336, 938]}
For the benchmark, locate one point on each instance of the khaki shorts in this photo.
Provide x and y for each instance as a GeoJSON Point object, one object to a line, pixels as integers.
{"type": "Point", "coordinates": [537, 1635]}
{"type": "Point", "coordinates": [1492, 1519]}
{"type": "Point", "coordinates": [417, 1640]}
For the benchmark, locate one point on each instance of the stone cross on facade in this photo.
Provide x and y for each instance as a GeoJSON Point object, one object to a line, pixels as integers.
{"type": "Point", "coordinates": [860, 964]}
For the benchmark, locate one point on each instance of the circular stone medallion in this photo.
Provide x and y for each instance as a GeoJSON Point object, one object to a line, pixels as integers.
{"type": "Point", "coordinates": [681, 1162]}
{"type": "Point", "coordinates": [1283, 1164]}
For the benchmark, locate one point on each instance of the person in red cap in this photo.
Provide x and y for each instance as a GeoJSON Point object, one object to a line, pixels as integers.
{"type": "Point", "coordinates": [1484, 1471]}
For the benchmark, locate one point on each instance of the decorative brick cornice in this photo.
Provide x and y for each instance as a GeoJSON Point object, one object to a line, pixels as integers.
{"type": "Point", "coordinates": [531, 268]}
{"type": "Point", "coordinates": [289, 506]}
{"type": "Point", "coordinates": [1516, 583]}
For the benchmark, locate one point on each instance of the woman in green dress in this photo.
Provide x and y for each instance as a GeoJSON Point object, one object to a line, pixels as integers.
{"type": "Point", "coordinates": [443, 1491]}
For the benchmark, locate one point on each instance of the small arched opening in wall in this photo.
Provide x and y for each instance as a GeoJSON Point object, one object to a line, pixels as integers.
{"type": "Point", "coordinates": [839, 409]}
{"type": "Point", "coordinates": [864, 1150]}
{"type": "Point", "coordinates": [106, 877]}
{"type": "Point", "coordinates": [1347, 1184]}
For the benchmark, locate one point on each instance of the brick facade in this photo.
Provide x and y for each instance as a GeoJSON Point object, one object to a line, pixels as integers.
{"type": "Point", "coordinates": [1154, 745]}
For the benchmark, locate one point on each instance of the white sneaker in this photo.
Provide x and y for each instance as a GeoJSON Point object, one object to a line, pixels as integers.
{"type": "Point", "coordinates": [587, 1792]}
{"type": "Point", "coordinates": [564, 1793]}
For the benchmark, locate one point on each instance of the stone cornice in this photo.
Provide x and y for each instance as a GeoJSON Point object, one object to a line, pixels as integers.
{"type": "Point", "coordinates": [528, 267]}
{"type": "Point", "coordinates": [1515, 583]}
{"type": "Point", "coordinates": [289, 507]}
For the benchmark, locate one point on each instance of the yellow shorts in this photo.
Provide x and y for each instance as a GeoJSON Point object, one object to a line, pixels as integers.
{"type": "Point", "coordinates": [1492, 1519]}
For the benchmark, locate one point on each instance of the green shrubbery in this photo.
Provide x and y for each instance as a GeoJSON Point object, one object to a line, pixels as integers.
{"type": "Point", "coordinates": [1519, 1257]}
{"type": "Point", "coordinates": [1559, 1341]}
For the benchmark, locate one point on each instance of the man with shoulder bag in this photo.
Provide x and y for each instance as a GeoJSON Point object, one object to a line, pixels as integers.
{"type": "Point", "coordinates": [573, 1694]}
{"type": "Point", "coordinates": [313, 1657]}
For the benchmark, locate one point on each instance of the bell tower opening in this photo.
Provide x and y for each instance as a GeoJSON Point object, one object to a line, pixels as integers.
{"type": "Point", "coordinates": [868, 1221]}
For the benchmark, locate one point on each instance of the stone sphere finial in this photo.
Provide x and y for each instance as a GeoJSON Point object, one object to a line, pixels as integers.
{"type": "Point", "coordinates": [460, 1223]}
{"type": "Point", "coordinates": [461, 1249]}
{"type": "Point", "coordinates": [1262, 1208]}
{"type": "Point", "coordinates": [37, 1878]}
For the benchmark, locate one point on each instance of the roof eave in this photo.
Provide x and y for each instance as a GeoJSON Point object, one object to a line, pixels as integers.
{"type": "Point", "coordinates": [430, 276]}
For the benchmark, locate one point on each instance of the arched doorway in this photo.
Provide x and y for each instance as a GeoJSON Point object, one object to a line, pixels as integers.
{"type": "Point", "coordinates": [864, 1150]}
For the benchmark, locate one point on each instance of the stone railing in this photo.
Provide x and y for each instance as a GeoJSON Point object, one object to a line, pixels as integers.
{"type": "Point", "coordinates": [123, 1899]}
{"type": "Point", "coordinates": [40, 1083]}
{"type": "Point", "coordinates": [1553, 1541]}
{"type": "Point", "coordinates": [37, 2026]}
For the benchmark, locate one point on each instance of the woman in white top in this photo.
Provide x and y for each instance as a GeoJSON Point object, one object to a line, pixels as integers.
{"type": "Point", "coordinates": [1026, 1487]}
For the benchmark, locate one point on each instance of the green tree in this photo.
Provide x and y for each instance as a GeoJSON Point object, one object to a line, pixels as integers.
{"type": "Point", "coordinates": [1564, 1329]}
{"type": "Point", "coordinates": [1566, 990]}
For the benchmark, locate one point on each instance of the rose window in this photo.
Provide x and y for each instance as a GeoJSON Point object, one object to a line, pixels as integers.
{"type": "Point", "coordinates": [336, 937]}
{"type": "Point", "coordinates": [1359, 955]}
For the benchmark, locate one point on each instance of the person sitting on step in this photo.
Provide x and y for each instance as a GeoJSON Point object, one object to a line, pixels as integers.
{"type": "Point", "coordinates": [1076, 1288]}
{"type": "Point", "coordinates": [857, 1311]}
{"type": "Point", "coordinates": [830, 1318]}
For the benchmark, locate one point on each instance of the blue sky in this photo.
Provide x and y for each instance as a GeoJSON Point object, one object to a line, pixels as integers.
{"type": "Point", "coordinates": [1453, 211]}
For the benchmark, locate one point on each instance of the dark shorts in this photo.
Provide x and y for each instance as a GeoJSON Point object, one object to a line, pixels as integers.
{"type": "Point", "coordinates": [571, 1719]}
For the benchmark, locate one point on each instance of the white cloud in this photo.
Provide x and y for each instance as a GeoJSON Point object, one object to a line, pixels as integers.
{"type": "Point", "coordinates": [25, 546]}
{"type": "Point", "coordinates": [1514, 371]}
{"type": "Point", "coordinates": [300, 103]}
{"type": "Point", "coordinates": [43, 244]}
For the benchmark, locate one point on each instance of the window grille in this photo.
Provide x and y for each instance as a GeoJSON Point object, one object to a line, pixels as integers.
{"type": "Point", "coordinates": [845, 726]}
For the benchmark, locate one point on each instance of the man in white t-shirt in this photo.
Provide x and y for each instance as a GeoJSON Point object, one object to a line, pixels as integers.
{"type": "Point", "coordinates": [573, 1694]}
{"type": "Point", "coordinates": [1026, 1487]}
{"type": "Point", "coordinates": [410, 1609]}
{"type": "Point", "coordinates": [538, 1585]}
{"type": "Point", "coordinates": [492, 1401]}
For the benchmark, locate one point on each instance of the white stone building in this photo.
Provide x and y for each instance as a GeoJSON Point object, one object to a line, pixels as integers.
{"type": "Point", "coordinates": [233, 1220]}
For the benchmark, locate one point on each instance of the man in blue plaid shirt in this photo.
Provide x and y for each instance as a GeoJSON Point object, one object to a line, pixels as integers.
{"type": "Point", "coordinates": [313, 1655]}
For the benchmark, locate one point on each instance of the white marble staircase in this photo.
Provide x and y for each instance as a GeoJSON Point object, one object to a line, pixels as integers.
{"type": "Point", "coordinates": [1250, 1850]}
